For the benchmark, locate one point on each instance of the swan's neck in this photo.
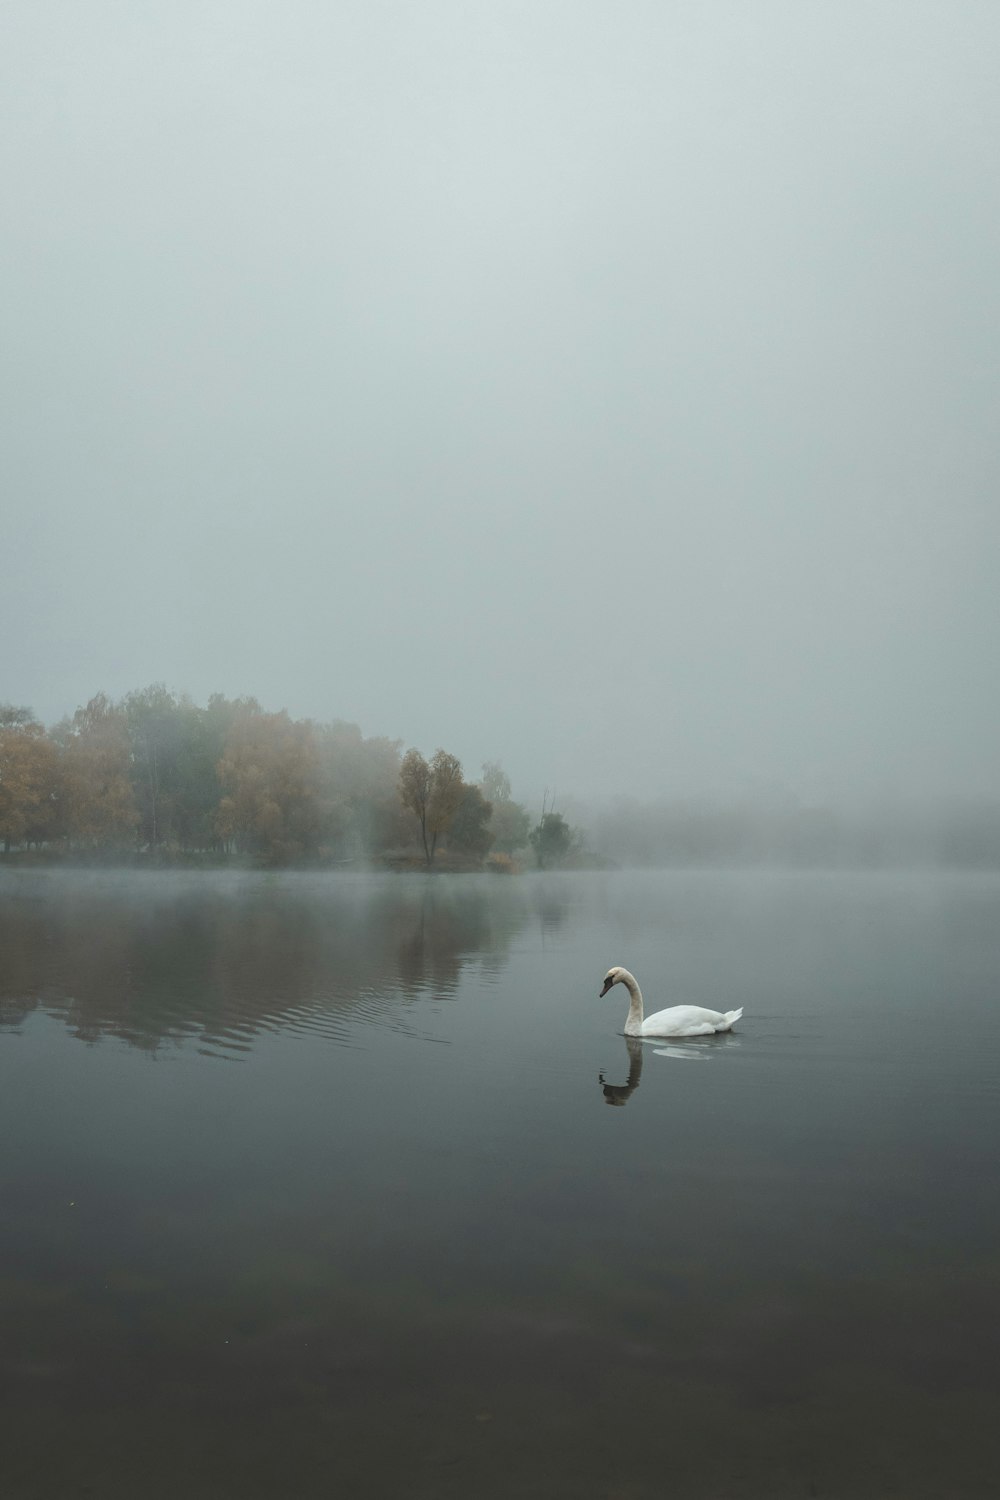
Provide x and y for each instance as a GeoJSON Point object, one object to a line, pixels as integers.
{"type": "Point", "coordinates": [633, 1026]}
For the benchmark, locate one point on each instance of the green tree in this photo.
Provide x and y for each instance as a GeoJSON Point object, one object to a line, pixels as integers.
{"type": "Point", "coordinates": [360, 778]}
{"type": "Point", "coordinates": [157, 725]}
{"type": "Point", "coordinates": [193, 791]}
{"type": "Point", "coordinates": [551, 840]}
{"type": "Point", "coordinates": [469, 832]}
{"type": "Point", "coordinates": [510, 822]}
{"type": "Point", "coordinates": [509, 827]}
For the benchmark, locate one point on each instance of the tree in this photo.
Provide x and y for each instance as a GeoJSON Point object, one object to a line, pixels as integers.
{"type": "Point", "coordinates": [469, 832]}
{"type": "Point", "coordinates": [13, 717]}
{"type": "Point", "coordinates": [510, 826]}
{"type": "Point", "coordinates": [273, 804]}
{"type": "Point", "coordinates": [496, 782]}
{"type": "Point", "coordinates": [510, 822]}
{"type": "Point", "coordinates": [447, 791]}
{"type": "Point", "coordinates": [360, 779]}
{"type": "Point", "coordinates": [27, 778]}
{"type": "Point", "coordinates": [187, 813]}
{"type": "Point", "coordinates": [156, 725]}
{"type": "Point", "coordinates": [433, 793]}
{"type": "Point", "coordinates": [100, 805]}
{"type": "Point", "coordinates": [415, 791]}
{"type": "Point", "coordinates": [551, 839]}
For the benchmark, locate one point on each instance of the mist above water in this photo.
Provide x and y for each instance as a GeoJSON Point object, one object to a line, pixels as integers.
{"type": "Point", "coordinates": [610, 394]}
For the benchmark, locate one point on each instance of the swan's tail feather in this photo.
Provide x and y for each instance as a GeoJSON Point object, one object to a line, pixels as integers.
{"type": "Point", "coordinates": [731, 1017]}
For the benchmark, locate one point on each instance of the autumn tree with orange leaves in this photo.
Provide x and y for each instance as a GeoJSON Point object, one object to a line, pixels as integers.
{"type": "Point", "coordinates": [28, 771]}
{"type": "Point", "coordinates": [433, 793]}
{"type": "Point", "coordinates": [99, 806]}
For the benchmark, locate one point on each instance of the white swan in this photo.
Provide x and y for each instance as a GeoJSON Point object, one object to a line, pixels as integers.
{"type": "Point", "coordinates": [679, 1020]}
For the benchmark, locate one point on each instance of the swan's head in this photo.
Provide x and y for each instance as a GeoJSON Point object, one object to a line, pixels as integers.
{"type": "Point", "coordinates": [614, 975]}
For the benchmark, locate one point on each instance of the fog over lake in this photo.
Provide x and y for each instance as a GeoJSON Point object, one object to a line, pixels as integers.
{"type": "Point", "coordinates": [464, 437]}
{"type": "Point", "coordinates": [346, 1184]}
{"type": "Point", "coordinates": [610, 390]}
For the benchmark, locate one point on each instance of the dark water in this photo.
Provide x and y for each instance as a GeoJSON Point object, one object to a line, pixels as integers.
{"type": "Point", "coordinates": [310, 1187]}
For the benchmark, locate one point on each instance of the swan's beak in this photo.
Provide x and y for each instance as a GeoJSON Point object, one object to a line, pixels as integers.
{"type": "Point", "coordinates": [607, 986]}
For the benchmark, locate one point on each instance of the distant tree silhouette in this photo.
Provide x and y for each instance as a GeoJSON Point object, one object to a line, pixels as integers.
{"type": "Point", "coordinates": [551, 840]}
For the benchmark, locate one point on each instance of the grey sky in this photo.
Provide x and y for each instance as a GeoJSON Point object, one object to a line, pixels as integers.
{"type": "Point", "coordinates": [607, 388]}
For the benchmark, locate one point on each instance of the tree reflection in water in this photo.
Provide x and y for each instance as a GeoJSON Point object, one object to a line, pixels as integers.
{"type": "Point", "coordinates": [165, 957]}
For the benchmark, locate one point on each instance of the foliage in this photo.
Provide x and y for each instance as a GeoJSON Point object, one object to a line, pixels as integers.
{"type": "Point", "coordinates": [158, 775]}
{"type": "Point", "coordinates": [469, 832]}
{"type": "Point", "coordinates": [447, 793]}
{"type": "Point", "coordinates": [433, 793]}
{"type": "Point", "coordinates": [551, 840]}
{"type": "Point", "coordinates": [165, 736]}
{"type": "Point", "coordinates": [495, 783]}
{"type": "Point", "coordinates": [509, 827]}
{"type": "Point", "coordinates": [13, 717]}
{"type": "Point", "coordinates": [27, 778]}
{"type": "Point", "coordinates": [360, 779]}
{"type": "Point", "coordinates": [99, 806]}
{"type": "Point", "coordinates": [415, 791]}
{"type": "Point", "coordinates": [273, 802]}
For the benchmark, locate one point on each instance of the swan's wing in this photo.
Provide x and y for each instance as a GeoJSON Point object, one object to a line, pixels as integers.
{"type": "Point", "coordinates": [681, 1020]}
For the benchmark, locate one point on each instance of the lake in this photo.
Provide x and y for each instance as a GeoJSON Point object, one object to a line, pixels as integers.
{"type": "Point", "coordinates": [351, 1186]}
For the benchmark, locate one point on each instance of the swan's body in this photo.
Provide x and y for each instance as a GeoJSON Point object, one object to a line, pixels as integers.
{"type": "Point", "coordinates": [679, 1020]}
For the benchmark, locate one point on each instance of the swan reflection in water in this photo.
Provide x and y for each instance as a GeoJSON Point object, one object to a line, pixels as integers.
{"type": "Point", "coordinates": [694, 1049]}
{"type": "Point", "coordinates": [620, 1093]}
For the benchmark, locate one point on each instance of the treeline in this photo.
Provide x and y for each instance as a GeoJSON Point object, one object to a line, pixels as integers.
{"type": "Point", "coordinates": [157, 774]}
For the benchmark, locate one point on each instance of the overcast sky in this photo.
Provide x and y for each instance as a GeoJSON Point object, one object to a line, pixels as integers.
{"type": "Point", "coordinates": [607, 388]}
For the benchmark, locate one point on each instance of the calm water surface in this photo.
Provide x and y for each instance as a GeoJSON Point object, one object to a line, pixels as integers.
{"type": "Point", "coordinates": [348, 1186]}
